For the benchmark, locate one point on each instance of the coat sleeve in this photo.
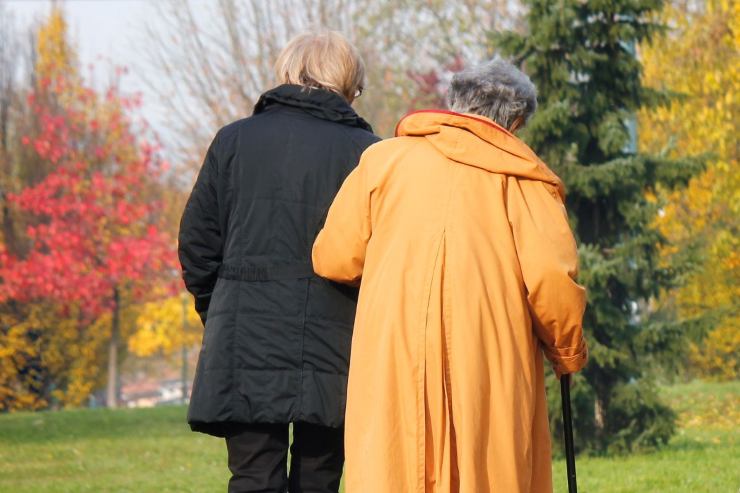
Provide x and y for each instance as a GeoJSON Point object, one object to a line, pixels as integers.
{"type": "Point", "coordinates": [549, 264]}
{"type": "Point", "coordinates": [200, 241]}
{"type": "Point", "coordinates": [339, 249]}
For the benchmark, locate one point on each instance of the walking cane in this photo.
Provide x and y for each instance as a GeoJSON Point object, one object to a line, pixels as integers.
{"type": "Point", "coordinates": [570, 455]}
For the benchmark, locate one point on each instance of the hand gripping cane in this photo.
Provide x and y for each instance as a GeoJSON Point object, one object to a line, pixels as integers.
{"type": "Point", "coordinates": [570, 455]}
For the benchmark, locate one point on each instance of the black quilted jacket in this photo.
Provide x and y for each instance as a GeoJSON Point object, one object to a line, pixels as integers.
{"type": "Point", "coordinates": [277, 338]}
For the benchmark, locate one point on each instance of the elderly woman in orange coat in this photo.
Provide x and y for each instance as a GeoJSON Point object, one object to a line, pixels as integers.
{"type": "Point", "coordinates": [459, 236]}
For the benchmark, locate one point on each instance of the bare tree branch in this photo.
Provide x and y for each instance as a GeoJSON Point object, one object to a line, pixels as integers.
{"type": "Point", "coordinates": [209, 75]}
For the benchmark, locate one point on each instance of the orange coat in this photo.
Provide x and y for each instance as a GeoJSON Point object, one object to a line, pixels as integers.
{"type": "Point", "coordinates": [460, 237]}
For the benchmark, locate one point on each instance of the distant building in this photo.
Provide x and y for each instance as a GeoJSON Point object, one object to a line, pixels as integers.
{"type": "Point", "coordinates": [150, 393]}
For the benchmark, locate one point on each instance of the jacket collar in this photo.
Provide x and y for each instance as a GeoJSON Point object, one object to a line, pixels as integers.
{"type": "Point", "coordinates": [317, 102]}
{"type": "Point", "coordinates": [479, 142]}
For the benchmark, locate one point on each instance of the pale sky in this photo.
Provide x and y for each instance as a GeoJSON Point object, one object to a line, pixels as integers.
{"type": "Point", "coordinates": [99, 27]}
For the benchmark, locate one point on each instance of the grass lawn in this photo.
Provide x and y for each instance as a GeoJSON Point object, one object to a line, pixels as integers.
{"type": "Point", "coordinates": [152, 450]}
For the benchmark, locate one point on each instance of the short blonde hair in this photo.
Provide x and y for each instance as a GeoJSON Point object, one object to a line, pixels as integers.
{"type": "Point", "coordinates": [322, 59]}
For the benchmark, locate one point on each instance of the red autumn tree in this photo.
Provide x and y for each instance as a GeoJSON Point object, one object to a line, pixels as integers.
{"type": "Point", "coordinates": [431, 86]}
{"type": "Point", "coordinates": [96, 230]}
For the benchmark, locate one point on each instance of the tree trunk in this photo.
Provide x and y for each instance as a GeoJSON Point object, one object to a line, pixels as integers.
{"type": "Point", "coordinates": [599, 417]}
{"type": "Point", "coordinates": [184, 375]}
{"type": "Point", "coordinates": [113, 388]}
{"type": "Point", "coordinates": [184, 372]}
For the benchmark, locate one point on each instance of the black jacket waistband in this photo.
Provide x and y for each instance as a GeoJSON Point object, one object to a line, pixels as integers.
{"type": "Point", "coordinates": [266, 273]}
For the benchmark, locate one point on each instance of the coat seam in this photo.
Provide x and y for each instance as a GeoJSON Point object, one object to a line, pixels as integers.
{"type": "Point", "coordinates": [303, 343]}
{"type": "Point", "coordinates": [232, 357]}
{"type": "Point", "coordinates": [446, 307]}
{"type": "Point", "coordinates": [447, 289]}
{"type": "Point", "coordinates": [421, 379]}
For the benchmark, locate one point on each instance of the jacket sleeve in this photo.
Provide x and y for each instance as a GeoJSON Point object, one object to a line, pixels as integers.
{"type": "Point", "coordinates": [549, 264]}
{"type": "Point", "coordinates": [339, 249]}
{"type": "Point", "coordinates": [200, 241]}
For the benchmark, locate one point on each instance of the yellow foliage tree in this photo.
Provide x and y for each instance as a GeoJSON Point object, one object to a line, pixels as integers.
{"type": "Point", "coordinates": [20, 382]}
{"type": "Point", "coordinates": [55, 57]}
{"type": "Point", "coordinates": [48, 357]}
{"type": "Point", "coordinates": [165, 327]}
{"type": "Point", "coordinates": [698, 61]}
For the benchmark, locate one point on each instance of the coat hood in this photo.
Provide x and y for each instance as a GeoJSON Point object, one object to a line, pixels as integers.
{"type": "Point", "coordinates": [477, 141]}
{"type": "Point", "coordinates": [317, 102]}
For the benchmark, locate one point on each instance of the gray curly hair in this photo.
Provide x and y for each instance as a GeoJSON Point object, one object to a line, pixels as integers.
{"type": "Point", "coordinates": [496, 89]}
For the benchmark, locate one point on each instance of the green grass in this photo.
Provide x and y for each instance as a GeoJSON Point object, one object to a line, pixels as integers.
{"type": "Point", "coordinates": [152, 450]}
{"type": "Point", "coordinates": [693, 463]}
{"type": "Point", "coordinates": [144, 450]}
{"type": "Point", "coordinates": [703, 456]}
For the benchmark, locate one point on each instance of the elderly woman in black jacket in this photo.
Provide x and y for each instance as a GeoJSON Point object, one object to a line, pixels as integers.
{"type": "Point", "coordinates": [277, 338]}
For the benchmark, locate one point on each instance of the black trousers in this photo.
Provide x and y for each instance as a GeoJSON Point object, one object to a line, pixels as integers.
{"type": "Point", "coordinates": [258, 457]}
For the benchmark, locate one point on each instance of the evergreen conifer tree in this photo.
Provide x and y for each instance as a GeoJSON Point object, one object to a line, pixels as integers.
{"type": "Point", "coordinates": [581, 56]}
